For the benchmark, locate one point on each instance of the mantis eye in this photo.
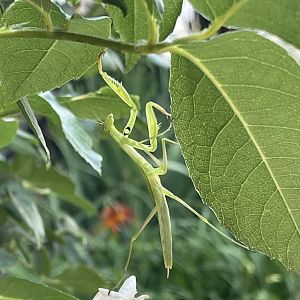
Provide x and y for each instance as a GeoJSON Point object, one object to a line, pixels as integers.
{"type": "Point", "coordinates": [126, 131]}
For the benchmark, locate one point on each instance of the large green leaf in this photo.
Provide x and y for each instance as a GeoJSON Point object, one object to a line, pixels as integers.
{"type": "Point", "coordinates": [24, 202]}
{"type": "Point", "coordinates": [172, 9]}
{"type": "Point", "coordinates": [8, 129]}
{"type": "Point", "coordinates": [236, 107]}
{"type": "Point", "coordinates": [30, 66]}
{"type": "Point", "coordinates": [19, 289]}
{"type": "Point", "coordinates": [76, 134]}
{"type": "Point", "coordinates": [277, 16]}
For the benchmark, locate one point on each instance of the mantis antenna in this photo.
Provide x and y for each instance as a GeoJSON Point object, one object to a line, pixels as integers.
{"type": "Point", "coordinates": [151, 174]}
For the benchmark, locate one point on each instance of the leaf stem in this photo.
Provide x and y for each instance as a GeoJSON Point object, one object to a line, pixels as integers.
{"type": "Point", "coordinates": [125, 47]}
{"type": "Point", "coordinates": [86, 39]}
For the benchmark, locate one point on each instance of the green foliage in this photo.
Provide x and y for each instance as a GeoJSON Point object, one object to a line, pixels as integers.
{"type": "Point", "coordinates": [132, 27]}
{"type": "Point", "coordinates": [28, 114]}
{"type": "Point", "coordinates": [45, 5]}
{"type": "Point", "coordinates": [26, 207]}
{"type": "Point", "coordinates": [27, 65]}
{"type": "Point", "coordinates": [144, 21]}
{"type": "Point", "coordinates": [278, 17]}
{"type": "Point", "coordinates": [235, 110]}
{"type": "Point", "coordinates": [247, 180]}
{"type": "Point", "coordinates": [35, 176]}
{"type": "Point", "coordinates": [82, 280]}
{"type": "Point", "coordinates": [76, 135]}
{"type": "Point", "coordinates": [118, 3]}
{"type": "Point", "coordinates": [171, 12]}
{"type": "Point", "coordinates": [98, 105]}
{"type": "Point", "coordinates": [8, 131]}
{"type": "Point", "coordinates": [1, 10]}
{"type": "Point", "coordinates": [14, 289]}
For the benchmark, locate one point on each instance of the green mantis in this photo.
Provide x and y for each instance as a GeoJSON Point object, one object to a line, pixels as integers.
{"type": "Point", "coordinates": [151, 174]}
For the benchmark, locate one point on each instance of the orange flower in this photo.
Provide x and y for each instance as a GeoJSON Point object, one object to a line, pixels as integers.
{"type": "Point", "coordinates": [116, 216]}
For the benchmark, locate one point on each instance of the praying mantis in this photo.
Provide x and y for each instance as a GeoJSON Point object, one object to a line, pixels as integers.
{"type": "Point", "coordinates": [151, 173]}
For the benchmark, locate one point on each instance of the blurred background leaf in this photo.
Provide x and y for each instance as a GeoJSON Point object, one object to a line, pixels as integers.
{"type": "Point", "coordinates": [8, 131]}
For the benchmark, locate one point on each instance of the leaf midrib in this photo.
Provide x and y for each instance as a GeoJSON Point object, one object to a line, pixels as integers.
{"type": "Point", "coordinates": [219, 86]}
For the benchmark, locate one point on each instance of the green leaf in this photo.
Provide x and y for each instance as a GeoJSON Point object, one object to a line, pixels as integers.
{"type": "Point", "coordinates": [132, 28]}
{"type": "Point", "coordinates": [97, 106]}
{"type": "Point", "coordinates": [1, 10]}
{"type": "Point", "coordinates": [12, 288]}
{"type": "Point", "coordinates": [45, 5]}
{"type": "Point", "coordinates": [44, 64]}
{"type": "Point", "coordinates": [28, 14]}
{"type": "Point", "coordinates": [76, 135]}
{"type": "Point", "coordinates": [172, 9]}
{"type": "Point", "coordinates": [62, 186]}
{"type": "Point", "coordinates": [82, 279]}
{"type": "Point", "coordinates": [28, 114]}
{"type": "Point", "coordinates": [118, 3]}
{"type": "Point", "coordinates": [42, 262]}
{"type": "Point", "coordinates": [8, 129]}
{"type": "Point", "coordinates": [279, 17]}
{"type": "Point", "coordinates": [236, 106]}
{"type": "Point", "coordinates": [23, 201]}
{"type": "Point", "coordinates": [42, 107]}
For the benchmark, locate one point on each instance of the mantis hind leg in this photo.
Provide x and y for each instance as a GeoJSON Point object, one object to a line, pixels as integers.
{"type": "Point", "coordinates": [133, 239]}
{"type": "Point", "coordinates": [203, 219]}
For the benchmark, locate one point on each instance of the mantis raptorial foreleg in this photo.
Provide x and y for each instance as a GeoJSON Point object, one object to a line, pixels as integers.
{"type": "Point", "coordinates": [151, 174]}
{"type": "Point", "coordinates": [118, 88]}
{"type": "Point", "coordinates": [153, 126]}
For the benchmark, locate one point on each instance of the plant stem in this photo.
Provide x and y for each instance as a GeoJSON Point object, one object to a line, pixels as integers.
{"type": "Point", "coordinates": [86, 39]}
{"type": "Point", "coordinates": [126, 47]}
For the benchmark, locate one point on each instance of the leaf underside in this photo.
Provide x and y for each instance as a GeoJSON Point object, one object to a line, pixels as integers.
{"type": "Point", "coordinates": [29, 66]}
{"type": "Point", "coordinates": [236, 104]}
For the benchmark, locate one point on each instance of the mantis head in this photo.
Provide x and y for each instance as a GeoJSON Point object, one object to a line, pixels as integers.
{"type": "Point", "coordinates": [109, 122]}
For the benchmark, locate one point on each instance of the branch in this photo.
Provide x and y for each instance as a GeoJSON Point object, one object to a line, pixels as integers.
{"type": "Point", "coordinates": [86, 39]}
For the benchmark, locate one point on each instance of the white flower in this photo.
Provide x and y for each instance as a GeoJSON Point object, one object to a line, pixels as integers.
{"type": "Point", "coordinates": [126, 292]}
